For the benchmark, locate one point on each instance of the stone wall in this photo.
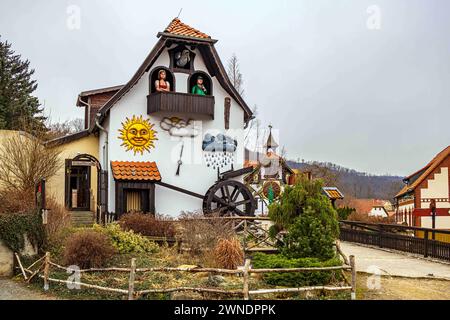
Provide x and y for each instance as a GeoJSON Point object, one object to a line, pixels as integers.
{"type": "Point", "coordinates": [7, 257]}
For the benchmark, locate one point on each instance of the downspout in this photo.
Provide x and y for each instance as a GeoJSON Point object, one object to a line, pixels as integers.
{"type": "Point", "coordinates": [97, 124]}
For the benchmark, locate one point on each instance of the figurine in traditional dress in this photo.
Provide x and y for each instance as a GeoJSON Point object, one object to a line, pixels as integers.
{"type": "Point", "coordinates": [199, 88]}
{"type": "Point", "coordinates": [161, 84]}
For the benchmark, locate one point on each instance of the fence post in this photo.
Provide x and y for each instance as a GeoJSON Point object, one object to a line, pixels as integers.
{"type": "Point", "coordinates": [46, 270]}
{"type": "Point", "coordinates": [353, 266]}
{"type": "Point", "coordinates": [245, 235]}
{"type": "Point", "coordinates": [246, 277]}
{"type": "Point", "coordinates": [426, 243]}
{"type": "Point", "coordinates": [380, 236]}
{"type": "Point", "coordinates": [131, 280]}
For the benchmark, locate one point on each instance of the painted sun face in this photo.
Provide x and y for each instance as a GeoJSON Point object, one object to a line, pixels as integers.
{"type": "Point", "coordinates": [138, 135]}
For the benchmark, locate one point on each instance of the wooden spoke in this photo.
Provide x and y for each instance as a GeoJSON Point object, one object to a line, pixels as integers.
{"type": "Point", "coordinates": [223, 195]}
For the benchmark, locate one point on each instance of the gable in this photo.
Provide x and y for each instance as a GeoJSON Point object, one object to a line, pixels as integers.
{"type": "Point", "coordinates": [180, 34]}
{"type": "Point", "coordinates": [425, 173]}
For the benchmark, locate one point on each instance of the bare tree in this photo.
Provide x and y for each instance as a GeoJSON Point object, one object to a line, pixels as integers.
{"type": "Point", "coordinates": [60, 129]}
{"type": "Point", "coordinates": [24, 160]}
{"type": "Point", "coordinates": [235, 74]}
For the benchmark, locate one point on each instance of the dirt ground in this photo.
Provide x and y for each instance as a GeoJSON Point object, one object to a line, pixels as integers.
{"type": "Point", "coordinates": [18, 290]}
{"type": "Point", "coordinates": [398, 288]}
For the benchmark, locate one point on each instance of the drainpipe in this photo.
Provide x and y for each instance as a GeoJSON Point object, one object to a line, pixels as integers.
{"type": "Point", "coordinates": [105, 160]}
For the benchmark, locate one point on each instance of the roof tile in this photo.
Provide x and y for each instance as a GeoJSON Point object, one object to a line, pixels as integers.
{"type": "Point", "coordinates": [130, 170]}
{"type": "Point", "coordinates": [179, 28]}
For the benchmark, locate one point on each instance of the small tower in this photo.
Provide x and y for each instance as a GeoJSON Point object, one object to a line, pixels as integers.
{"type": "Point", "coordinates": [271, 144]}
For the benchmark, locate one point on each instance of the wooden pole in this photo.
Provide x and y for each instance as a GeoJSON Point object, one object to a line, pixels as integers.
{"type": "Point", "coordinates": [21, 267]}
{"type": "Point", "coordinates": [131, 280]}
{"type": "Point", "coordinates": [245, 235]}
{"type": "Point", "coordinates": [352, 264]}
{"type": "Point", "coordinates": [246, 277]}
{"type": "Point", "coordinates": [46, 270]}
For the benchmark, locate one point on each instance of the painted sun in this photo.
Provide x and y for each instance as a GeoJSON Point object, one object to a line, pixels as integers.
{"type": "Point", "coordinates": [138, 135]}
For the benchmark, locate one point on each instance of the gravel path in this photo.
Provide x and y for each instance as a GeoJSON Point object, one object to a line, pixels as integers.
{"type": "Point", "coordinates": [14, 290]}
{"type": "Point", "coordinates": [394, 264]}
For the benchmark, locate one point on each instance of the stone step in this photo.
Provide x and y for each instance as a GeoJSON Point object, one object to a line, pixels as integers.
{"type": "Point", "coordinates": [82, 218]}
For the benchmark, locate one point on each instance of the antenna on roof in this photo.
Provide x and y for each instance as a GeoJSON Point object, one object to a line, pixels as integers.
{"type": "Point", "coordinates": [179, 13]}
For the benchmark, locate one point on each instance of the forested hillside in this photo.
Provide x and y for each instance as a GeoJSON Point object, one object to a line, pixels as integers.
{"type": "Point", "coordinates": [352, 183]}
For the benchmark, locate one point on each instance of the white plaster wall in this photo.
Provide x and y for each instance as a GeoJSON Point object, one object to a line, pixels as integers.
{"type": "Point", "coordinates": [437, 188]}
{"type": "Point", "coordinates": [194, 175]}
{"type": "Point", "coordinates": [442, 222]}
{"type": "Point", "coordinates": [377, 212]}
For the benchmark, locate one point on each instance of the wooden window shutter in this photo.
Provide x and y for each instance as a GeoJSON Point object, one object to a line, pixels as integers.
{"type": "Point", "coordinates": [227, 112]}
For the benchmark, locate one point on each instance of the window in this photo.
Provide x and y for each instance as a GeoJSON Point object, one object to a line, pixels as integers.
{"type": "Point", "coordinates": [155, 75]}
{"type": "Point", "coordinates": [202, 83]}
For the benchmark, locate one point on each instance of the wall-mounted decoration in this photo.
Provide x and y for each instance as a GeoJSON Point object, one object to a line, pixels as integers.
{"type": "Point", "coordinates": [182, 59]}
{"type": "Point", "coordinates": [271, 190]}
{"type": "Point", "coordinates": [227, 107]}
{"type": "Point", "coordinates": [178, 127]}
{"type": "Point", "coordinates": [219, 150]}
{"type": "Point", "coordinates": [138, 135]}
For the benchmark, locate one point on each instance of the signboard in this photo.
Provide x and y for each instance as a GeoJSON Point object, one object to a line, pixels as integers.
{"type": "Point", "coordinates": [83, 163]}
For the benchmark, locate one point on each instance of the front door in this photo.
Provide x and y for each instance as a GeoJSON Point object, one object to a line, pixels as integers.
{"type": "Point", "coordinates": [78, 186]}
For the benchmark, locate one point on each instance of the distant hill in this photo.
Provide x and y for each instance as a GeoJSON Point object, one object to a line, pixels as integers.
{"type": "Point", "coordinates": [352, 183]}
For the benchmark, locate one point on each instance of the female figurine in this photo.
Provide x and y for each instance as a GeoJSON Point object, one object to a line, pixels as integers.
{"type": "Point", "coordinates": [199, 88]}
{"type": "Point", "coordinates": [161, 84]}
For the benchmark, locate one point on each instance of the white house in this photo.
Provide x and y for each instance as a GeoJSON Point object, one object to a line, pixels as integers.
{"type": "Point", "coordinates": [158, 143]}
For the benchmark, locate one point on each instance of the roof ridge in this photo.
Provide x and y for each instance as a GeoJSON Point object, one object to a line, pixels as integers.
{"type": "Point", "coordinates": [177, 27]}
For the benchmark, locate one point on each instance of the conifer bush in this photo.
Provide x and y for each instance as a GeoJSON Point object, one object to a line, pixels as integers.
{"type": "Point", "coordinates": [310, 221]}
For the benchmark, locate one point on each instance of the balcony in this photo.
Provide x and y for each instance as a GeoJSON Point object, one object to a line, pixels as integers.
{"type": "Point", "coordinates": [178, 102]}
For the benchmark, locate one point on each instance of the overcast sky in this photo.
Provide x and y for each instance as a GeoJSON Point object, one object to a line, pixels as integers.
{"type": "Point", "coordinates": [364, 84]}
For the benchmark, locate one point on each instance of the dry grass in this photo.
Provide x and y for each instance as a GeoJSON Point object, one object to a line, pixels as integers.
{"type": "Point", "coordinates": [201, 236]}
{"type": "Point", "coordinates": [229, 253]}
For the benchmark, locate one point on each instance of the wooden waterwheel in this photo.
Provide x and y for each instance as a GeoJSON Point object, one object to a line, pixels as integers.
{"type": "Point", "coordinates": [229, 198]}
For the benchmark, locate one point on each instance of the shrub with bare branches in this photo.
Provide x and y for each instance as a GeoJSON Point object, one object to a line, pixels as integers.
{"type": "Point", "coordinates": [148, 225]}
{"type": "Point", "coordinates": [24, 160]}
{"type": "Point", "coordinates": [364, 217]}
{"type": "Point", "coordinates": [88, 249]}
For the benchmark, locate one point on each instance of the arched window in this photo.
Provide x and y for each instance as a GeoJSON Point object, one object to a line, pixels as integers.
{"type": "Point", "coordinates": [154, 76]}
{"type": "Point", "coordinates": [196, 88]}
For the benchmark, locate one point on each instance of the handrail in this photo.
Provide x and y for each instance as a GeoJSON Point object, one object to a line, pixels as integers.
{"type": "Point", "coordinates": [396, 226]}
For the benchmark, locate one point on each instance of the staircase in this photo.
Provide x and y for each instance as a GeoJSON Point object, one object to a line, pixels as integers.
{"type": "Point", "coordinates": [82, 218]}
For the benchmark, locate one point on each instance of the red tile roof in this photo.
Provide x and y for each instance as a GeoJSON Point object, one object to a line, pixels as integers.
{"type": "Point", "coordinates": [429, 168]}
{"type": "Point", "coordinates": [364, 206]}
{"type": "Point", "coordinates": [179, 28]}
{"type": "Point", "coordinates": [129, 170]}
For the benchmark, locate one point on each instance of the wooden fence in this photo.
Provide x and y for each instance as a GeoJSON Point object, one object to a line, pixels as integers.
{"type": "Point", "coordinates": [422, 241]}
{"type": "Point", "coordinates": [254, 235]}
{"type": "Point", "coordinates": [43, 271]}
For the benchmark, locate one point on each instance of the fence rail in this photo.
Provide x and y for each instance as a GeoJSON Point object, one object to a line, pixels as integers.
{"type": "Point", "coordinates": [415, 240]}
{"type": "Point", "coordinates": [43, 272]}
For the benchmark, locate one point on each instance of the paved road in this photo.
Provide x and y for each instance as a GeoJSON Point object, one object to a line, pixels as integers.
{"type": "Point", "coordinates": [396, 264]}
{"type": "Point", "coordinates": [13, 290]}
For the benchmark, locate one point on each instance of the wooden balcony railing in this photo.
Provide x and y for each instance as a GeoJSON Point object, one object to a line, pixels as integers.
{"type": "Point", "coordinates": [180, 103]}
